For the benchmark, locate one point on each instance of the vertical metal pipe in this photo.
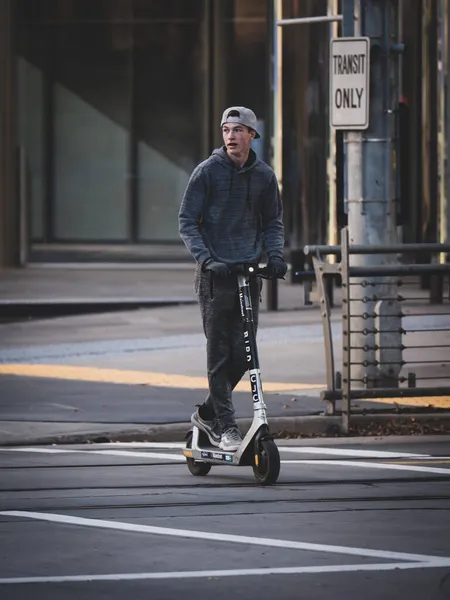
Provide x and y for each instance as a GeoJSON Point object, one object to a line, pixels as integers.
{"type": "Point", "coordinates": [354, 200]}
{"type": "Point", "coordinates": [332, 234]}
{"type": "Point", "coordinates": [442, 124]}
{"type": "Point", "coordinates": [278, 93]}
{"type": "Point", "coordinates": [346, 335]}
{"type": "Point", "coordinates": [397, 147]}
{"type": "Point", "coordinates": [425, 120]}
{"type": "Point", "coordinates": [277, 121]}
{"type": "Point", "coordinates": [447, 112]}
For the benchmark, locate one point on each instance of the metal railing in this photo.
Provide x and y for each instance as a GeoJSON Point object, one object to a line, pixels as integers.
{"type": "Point", "coordinates": [374, 311]}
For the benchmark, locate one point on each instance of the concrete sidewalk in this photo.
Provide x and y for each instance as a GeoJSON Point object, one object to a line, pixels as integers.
{"type": "Point", "coordinates": [55, 290]}
{"type": "Point", "coordinates": [136, 375]}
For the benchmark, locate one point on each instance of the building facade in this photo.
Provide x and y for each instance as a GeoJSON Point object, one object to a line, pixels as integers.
{"type": "Point", "coordinates": [109, 104]}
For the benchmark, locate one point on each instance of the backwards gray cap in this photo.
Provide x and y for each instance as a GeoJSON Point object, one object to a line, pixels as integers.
{"type": "Point", "coordinates": [245, 117]}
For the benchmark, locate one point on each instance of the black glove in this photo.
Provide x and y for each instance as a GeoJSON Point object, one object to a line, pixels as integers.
{"type": "Point", "coordinates": [220, 269]}
{"type": "Point", "coordinates": [276, 267]}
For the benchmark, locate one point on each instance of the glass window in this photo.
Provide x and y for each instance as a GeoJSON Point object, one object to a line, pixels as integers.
{"type": "Point", "coordinates": [74, 90]}
{"type": "Point", "coordinates": [113, 114]}
{"type": "Point", "coordinates": [170, 114]}
{"type": "Point", "coordinates": [118, 104]}
{"type": "Point", "coordinates": [91, 123]}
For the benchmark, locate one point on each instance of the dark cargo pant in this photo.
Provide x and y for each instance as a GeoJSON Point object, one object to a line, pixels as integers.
{"type": "Point", "coordinates": [222, 323]}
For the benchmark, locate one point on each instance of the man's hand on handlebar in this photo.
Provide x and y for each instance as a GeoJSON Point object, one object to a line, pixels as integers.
{"type": "Point", "coordinates": [276, 267]}
{"type": "Point", "coordinates": [266, 271]}
{"type": "Point", "coordinates": [220, 269]}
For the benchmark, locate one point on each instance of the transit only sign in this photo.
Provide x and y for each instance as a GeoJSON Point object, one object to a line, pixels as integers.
{"type": "Point", "coordinates": [349, 82]}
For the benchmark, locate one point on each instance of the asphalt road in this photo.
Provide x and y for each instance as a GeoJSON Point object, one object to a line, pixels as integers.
{"type": "Point", "coordinates": [346, 520]}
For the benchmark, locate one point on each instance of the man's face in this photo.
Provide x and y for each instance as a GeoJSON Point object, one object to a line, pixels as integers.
{"type": "Point", "coordinates": [237, 138]}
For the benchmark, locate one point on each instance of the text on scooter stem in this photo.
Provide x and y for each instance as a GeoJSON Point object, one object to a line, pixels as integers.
{"type": "Point", "coordinates": [248, 348]}
{"type": "Point", "coordinates": [254, 382]}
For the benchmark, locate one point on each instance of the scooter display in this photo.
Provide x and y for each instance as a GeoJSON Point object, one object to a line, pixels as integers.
{"type": "Point", "coordinates": [258, 448]}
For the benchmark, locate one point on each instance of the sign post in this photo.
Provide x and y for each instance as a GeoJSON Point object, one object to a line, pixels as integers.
{"type": "Point", "coordinates": [368, 120]}
{"type": "Point", "coordinates": [349, 83]}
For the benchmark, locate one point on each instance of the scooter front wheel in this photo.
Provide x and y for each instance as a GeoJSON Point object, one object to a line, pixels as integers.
{"type": "Point", "coordinates": [266, 465]}
{"type": "Point", "coordinates": [199, 469]}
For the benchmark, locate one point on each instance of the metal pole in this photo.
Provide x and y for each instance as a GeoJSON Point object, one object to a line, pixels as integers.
{"type": "Point", "coordinates": [308, 20]}
{"type": "Point", "coordinates": [346, 335]}
{"type": "Point", "coordinates": [430, 248]}
{"type": "Point", "coordinates": [277, 120]}
{"type": "Point", "coordinates": [370, 182]}
{"type": "Point", "coordinates": [442, 34]}
{"type": "Point", "coordinates": [447, 112]}
{"type": "Point", "coordinates": [332, 8]}
{"type": "Point", "coordinates": [278, 98]}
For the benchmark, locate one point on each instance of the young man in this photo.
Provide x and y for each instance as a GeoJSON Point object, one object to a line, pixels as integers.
{"type": "Point", "coordinates": [230, 211]}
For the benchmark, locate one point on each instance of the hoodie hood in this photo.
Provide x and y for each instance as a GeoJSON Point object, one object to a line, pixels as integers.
{"type": "Point", "coordinates": [221, 154]}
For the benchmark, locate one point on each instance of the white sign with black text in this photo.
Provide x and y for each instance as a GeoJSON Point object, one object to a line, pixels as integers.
{"type": "Point", "coordinates": [349, 83]}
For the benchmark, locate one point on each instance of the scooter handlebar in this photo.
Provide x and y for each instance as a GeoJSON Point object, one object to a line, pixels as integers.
{"type": "Point", "coordinates": [253, 269]}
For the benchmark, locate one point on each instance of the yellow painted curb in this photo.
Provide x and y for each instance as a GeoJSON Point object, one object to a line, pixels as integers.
{"type": "Point", "coordinates": [99, 375]}
{"type": "Point", "coordinates": [434, 401]}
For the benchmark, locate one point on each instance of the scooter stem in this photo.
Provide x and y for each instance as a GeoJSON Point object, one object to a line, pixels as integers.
{"type": "Point", "coordinates": [251, 350]}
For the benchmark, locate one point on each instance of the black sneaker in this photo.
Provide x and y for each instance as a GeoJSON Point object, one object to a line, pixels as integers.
{"type": "Point", "coordinates": [209, 427]}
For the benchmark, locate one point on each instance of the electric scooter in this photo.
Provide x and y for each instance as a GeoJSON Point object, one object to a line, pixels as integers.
{"type": "Point", "coordinates": [258, 448]}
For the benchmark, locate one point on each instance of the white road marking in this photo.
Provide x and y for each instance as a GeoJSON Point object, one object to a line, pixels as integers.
{"type": "Point", "coordinates": [41, 450]}
{"type": "Point", "coordinates": [126, 453]}
{"type": "Point", "coordinates": [350, 452]}
{"type": "Point", "coordinates": [141, 454]}
{"type": "Point", "coordinates": [316, 462]}
{"type": "Point", "coordinates": [220, 537]}
{"type": "Point", "coordinates": [368, 465]}
{"type": "Point", "coordinates": [228, 572]}
{"type": "Point", "coordinates": [63, 406]}
{"type": "Point", "coordinates": [281, 448]}
{"type": "Point", "coordinates": [180, 445]}
{"type": "Point", "coordinates": [164, 445]}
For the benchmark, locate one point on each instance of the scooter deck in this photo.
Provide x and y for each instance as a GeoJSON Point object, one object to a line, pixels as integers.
{"type": "Point", "coordinates": [211, 454]}
{"type": "Point", "coordinates": [202, 451]}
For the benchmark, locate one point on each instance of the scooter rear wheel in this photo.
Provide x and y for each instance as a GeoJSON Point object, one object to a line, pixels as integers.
{"type": "Point", "coordinates": [266, 466]}
{"type": "Point", "coordinates": [199, 469]}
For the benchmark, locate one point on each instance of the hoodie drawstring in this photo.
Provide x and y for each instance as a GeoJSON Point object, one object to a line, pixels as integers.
{"type": "Point", "coordinates": [249, 175]}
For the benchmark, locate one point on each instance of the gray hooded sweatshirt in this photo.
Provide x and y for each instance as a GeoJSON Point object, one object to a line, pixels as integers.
{"type": "Point", "coordinates": [229, 214]}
